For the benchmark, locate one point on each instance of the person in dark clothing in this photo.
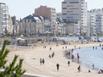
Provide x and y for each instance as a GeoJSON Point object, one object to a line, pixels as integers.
{"type": "Point", "coordinates": [89, 71]}
{"type": "Point", "coordinates": [49, 56]}
{"type": "Point", "coordinates": [93, 47]}
{"type": "Point", "coordinates": [43, 61]}
{"type": "Point", "coordinates": [50, 48]}
{"type": "Point", "coordinates": [57, 65]}
{"type": "Point", "coordinates": [72, 57]}
{"type": "Point", "coordinates": [78, 57]}
{"type": "Point", "coordinates": [93, 66]}
{"type": "Point", "coordinates": [40, 61]}
{"type": "Point", "coordinates": [79, 68]}
{"type": "Point", "coordinates": [53, 54]}
{"type": "Point", "coordinates": [68, 63]}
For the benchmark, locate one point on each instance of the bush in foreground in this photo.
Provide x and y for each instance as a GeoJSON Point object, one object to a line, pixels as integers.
{"type": "Point", "coordinates": [14, 69]}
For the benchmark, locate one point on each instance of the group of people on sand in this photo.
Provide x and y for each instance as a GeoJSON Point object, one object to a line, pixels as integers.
{"type": "Point", "coordinates": [42, 60]}
{"type": "Point", "coordinates": [51, 55]}
{"type": "Point", "coordinates": [70, 56]}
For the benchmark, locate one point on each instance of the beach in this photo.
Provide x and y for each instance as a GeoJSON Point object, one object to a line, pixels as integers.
{"type": "Point", "coordinates": [32, 55]}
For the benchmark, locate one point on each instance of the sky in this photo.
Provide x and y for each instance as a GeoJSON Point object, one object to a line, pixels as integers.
{"type": "Point", "coordinates": [22, 8]}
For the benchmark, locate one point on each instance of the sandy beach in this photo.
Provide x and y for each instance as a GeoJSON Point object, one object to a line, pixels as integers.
{"type": "Point", "coordinates": [32, 55]}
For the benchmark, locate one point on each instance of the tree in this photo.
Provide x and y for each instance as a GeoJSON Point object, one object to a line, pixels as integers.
{"type": "Point", "coordinates": [14, 69]}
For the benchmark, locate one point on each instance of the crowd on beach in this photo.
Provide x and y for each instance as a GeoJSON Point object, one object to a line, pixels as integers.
{"type": "Point", "coordinates": [71, 57]}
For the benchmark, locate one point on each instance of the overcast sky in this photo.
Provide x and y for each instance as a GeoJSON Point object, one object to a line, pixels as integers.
{"type": "Point", "coordinates": [22, 8]}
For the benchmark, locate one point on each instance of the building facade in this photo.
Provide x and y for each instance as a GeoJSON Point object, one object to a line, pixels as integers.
{"type": "Point", "coordinates": [75, 12]}
{"type": "Point", "coordinates": [31, 25]}
{"type": "Point", "coordinates": [46, 12]}
{"type": "Point", "coordinates": [4, 18]}
{"type": "Point", "coordinates": [95, 21]}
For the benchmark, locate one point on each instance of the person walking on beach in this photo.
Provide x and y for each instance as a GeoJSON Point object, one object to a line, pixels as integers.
{"type": "Point", "coordinates": [69, 54]}
{"type": "Point", "coordinates": [65, 47]}
{"type": "Point", "coordinates": [57, 65]}
{"type": "Point", "coordinates": [49, 56]}
{"type": "Point", "coordinates": [78, 57]}
{"type": "Point", "coordinates": [43, 61]}
{"type": "Point", "coordinates": [72, 57]}
{"type": "Point", "coordinates": [53, 54]}
{"type": "Point", "coordinates": [50, 48]}
{"type": "Point", "coordinates": [68, 63]}
{"type": "Point", "coordinates": [89, 71]}
{"type": "Point", "coordinates": [79, 68]}
{"type": "Point", "coordinates": [93, 47]}
{"type": "Point", "coordinates": [40, 61]}
{"type": "Point", "coordinates": [62, 47]}
{"type": "Point", "coordinates": [93, 66]}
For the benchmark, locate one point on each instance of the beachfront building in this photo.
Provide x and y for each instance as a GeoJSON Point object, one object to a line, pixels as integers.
{"type": "Point", "coordinates": [95, 21]}
{"type": "Point", "coordinates": [49, 14]}
{"type": "Point", "coordinates": [10, 26]}
{"type": "Point", "coordinates": [4, 15]}
{"type": "Point", "coordinates": [60, 24]}
{"type": "Point", "coordinates": [47, 26]}
{"type": "Point", "coordinates": [31, 25]}
{"type": "Point", "coordinates": [15, 24]}
{"type": "Point", "coordinates": [74, 14]}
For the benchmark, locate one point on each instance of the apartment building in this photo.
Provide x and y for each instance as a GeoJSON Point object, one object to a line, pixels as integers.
{"type": "Point", "coordinates": [3, 18]}
{"type": "Point", "coordinates": [75, 12]}
{"type": "Point", "coordinates": [46, 12]}
{"type": "Point", "coordinates": [96, 21]}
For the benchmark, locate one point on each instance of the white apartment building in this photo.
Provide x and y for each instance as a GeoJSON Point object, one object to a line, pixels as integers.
{"type": "Point", "coordinates": [75, 12]}
{"type": "Point", "coordinates": [95, 21]}
{"type": "Point", "coordinates": [53, 15]}
{"type": "Point", "coordinates": [3, 18]}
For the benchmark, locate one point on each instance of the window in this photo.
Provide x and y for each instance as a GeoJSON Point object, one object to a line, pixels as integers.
{"type": "Point", "coordinates": [64, 8]}
{"type": "Point", "coordinates": [73, 2]}
{"type": "Point", "coordinates": [64, 2]}
{"type": "Point", "coordinates": [64, 13]}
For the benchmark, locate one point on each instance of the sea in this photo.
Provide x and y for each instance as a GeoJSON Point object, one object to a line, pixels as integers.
{"type": "Point", "coordinates": [90, 56]}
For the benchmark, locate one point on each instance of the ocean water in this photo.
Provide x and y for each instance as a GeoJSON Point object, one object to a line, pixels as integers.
{"type": "Point", "coordinates": [90, 56]}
